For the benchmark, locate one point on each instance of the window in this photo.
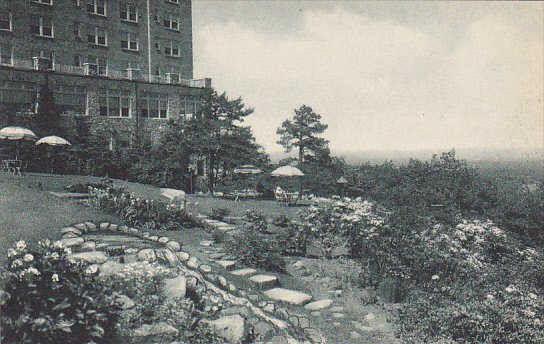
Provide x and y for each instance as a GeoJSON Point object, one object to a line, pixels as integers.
{"type": "Point", "coordinates": [97, 36]}
{"type": "Point", "coordinates": [70, 99]}
{"type": "Point", "coordinates": [5, 54]}
{"type": "Point", "coordinates": [77, 30]}
{"type": "Point", "coordinates": [120, 139]}
{"type": "Point", "coordinates": [115, 104]}
{"type": "Point", "coordinates": [171, 22]}
{"type": "Point", "coordinates": [155, 105]}
{"type": "Point", "coordinates": [5, 21]}
{"type": "Point", "coordinates": [77, 61]}
{"type": "Point", "coordinates": [42, 27]}
{"type": "Point", "coordinates": [128, 12]}
{"type": "Point", "coordinates": [173, 1]}
{"type": "Point", "coordinates": [171, 48]}
{"type": "Point", "coordinates": [101, 63]}
{"type": "Point", "coordinates": [45, 2]}
{"type": "Point", "coordinates": [157, 43]}
{"type": "Point", "coordinates": [130, 42]}
{"type": "Point", "coordinates": [97, 7]}
{"type": "Point", "coordinates": [45, 54]}
{"type": "Point", "coordinates": [130, 65]}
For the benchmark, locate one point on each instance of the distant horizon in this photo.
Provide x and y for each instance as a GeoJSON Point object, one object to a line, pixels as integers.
{"type": "Point", "coordinates": [396, 155]}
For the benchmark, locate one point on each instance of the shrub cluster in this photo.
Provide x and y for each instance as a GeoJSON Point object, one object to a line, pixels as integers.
{"type": "Point", "coordinates": [50, 300]}
{"type": "Point", "coordinates": [141, 212]}
{"type": "Point", "coordinates": [257, 250]}
{"type": "Point", "coordinates": [471, 281]}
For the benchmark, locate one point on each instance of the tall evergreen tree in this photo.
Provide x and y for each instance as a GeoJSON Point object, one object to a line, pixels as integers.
{"type": "Point", "coordinates": [48, 118]}
{"type": "Point", "coordinates": [210, 130]}
{"type": "Point", "coordinates": [302, 132]}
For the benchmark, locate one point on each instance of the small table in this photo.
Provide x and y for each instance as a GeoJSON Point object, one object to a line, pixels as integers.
{"type": "Point", "coordinates": [12, 166]}
{"type": "Point", "coordinates": [287, 198]}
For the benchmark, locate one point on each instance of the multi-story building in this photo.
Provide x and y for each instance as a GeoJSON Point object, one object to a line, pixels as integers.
{"type": "Point", "coordinates": [126, 64]}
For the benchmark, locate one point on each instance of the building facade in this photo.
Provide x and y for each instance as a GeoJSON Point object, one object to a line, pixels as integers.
{"type": "Point", "coordinates": [126, 64]}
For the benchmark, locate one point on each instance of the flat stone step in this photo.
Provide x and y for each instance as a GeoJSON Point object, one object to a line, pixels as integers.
{"type": "Point", "coordinates": [264, 282]}
{"type": "Point", "coordinates": [287, 295]}
{"type": "Point", "coordinates": [217, 255]}
{"type": "Point", "coordinates": [227, 264]}
{"type": "Point", "coordinates": [244, 272]}
{"type": "Point", "coordinates": [317, 305]}
{"type": "Point", "coordinates": [206, 243]}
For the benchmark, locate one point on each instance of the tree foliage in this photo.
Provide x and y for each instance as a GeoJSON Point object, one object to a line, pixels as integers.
{"type": "Point", "coordinates": [302, 132]}
{"type": "Point", "coordinates": [216, 133]}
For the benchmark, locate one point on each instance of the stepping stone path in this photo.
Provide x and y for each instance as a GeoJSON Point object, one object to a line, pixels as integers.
{"type": "Point", "coordinates": [290, 296]}
{"type": "Point", "coordinates": [244, 272]}
{"type": "Point", "coordinates": [118, 244]}
{"type": "Point", "coordinates": [264, 282]}
{"type": "Point", "coordinates": [227, 264]}
{"type": "Point", "coordinates": [317, 305]}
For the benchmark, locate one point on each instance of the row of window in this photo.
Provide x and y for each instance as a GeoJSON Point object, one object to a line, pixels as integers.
{"type": "Point", "coordinates": [127, 12]}
{"type": "Point", "coordinates": [99, 64]}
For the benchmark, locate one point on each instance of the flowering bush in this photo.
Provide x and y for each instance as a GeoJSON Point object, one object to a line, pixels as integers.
{"type": "Point", "coordinates": [141, 212]}
{"type": "Point", "coordinates": [353, 220]}
{"type": "Point", "coordinates": [50, 300]}
{"type": "Point", "coordinates": [502, 315]}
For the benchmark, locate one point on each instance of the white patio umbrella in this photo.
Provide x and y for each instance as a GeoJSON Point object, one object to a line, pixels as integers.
{"type": "Point", "coordinates": [287, 171]}
{"type": "Point", "coordinates": [16, 133]}
{"type": "Point", "coordinates": [247, 169]}
{"type": "Point", "coordinates": [53, 141]}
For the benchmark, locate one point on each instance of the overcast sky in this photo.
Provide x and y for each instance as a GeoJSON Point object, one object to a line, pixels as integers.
{"type": "Point", "coordinates": [384, 75]}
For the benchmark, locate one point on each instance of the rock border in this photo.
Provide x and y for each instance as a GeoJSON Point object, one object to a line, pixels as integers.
{"type": "Point", "coordinates": [172, 253]}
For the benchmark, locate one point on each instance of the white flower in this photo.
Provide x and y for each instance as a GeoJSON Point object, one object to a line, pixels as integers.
{"type": "Point", "coordinates": [55, 278]}
{"type": "Point", "coordinates": [16, 263]}
{"type": "Point", "coordinates": [55, 255]}
{"type": "Point", "coordinates": [532, 296]}
{"type": "Point", "coordinates": [435, 277]}
{"type": "Point", "coordinates": [92, 269]}
{"type": "Point", "coordinates": [21, 245]}
{"type": "Point", "coordinates": [28, 258]}
{"type": "Point", "coordinates": [33, 271]}
{"type": "Point", "coordinates": [510, 289]}
{"type": "Point", "coordinates": [537, 322]}
{"type": "Point", "coordinates": [12, 252]}
{"type": "Point", "coordinates": [490, 297]}
{"type": "Point", "coordinates": [40, 321]}
{"type": "Point", "coordinates": [529, 313]}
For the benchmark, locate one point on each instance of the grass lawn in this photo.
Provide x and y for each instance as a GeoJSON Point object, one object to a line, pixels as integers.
{"type": "Point", "coordinates": [205, 204]}
{"type": "Point", "coordinates": [30, 213]}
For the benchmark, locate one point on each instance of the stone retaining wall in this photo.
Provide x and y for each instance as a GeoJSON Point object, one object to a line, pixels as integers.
{"type": "Point", "coordinates": [265, 315]}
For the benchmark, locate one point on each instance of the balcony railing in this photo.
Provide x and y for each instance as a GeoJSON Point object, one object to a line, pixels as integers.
{"type": "Point", "coordinates": [129, 74]}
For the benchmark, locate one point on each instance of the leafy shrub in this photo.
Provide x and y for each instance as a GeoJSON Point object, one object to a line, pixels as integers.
{"type": "Point", "coordinates": [141, 212]}
{"type": "Point", "coordinates": [502, 315]}
{"type": "Point", "coordinates": [105, 183]}
{"type": "Point", "coordinates": [219, 214]}
{"type": "Point", "coordinates": [53, 301]}
{"type": "Point", "coordinates": [256, 250]}
{"type": "Point", "coordinates": [256, 220]}
{"type": "Point", "coordinates": [353, 220]}
{"type": "Point", "coordinates": [293, 240]}
{"type": "Point", "coordinates": [281, 221]}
